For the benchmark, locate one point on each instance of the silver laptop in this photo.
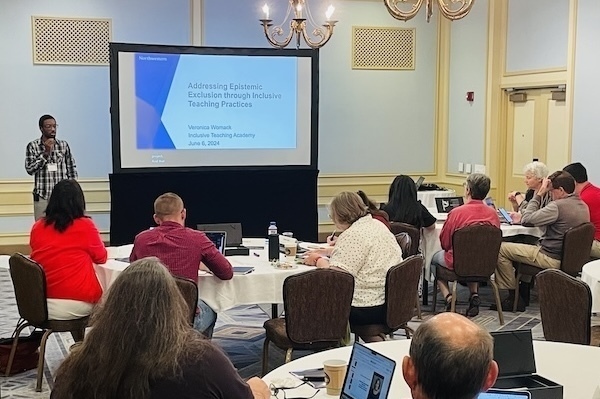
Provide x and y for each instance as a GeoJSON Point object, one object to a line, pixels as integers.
{"type": "Point", "coordinates": [369, 374]}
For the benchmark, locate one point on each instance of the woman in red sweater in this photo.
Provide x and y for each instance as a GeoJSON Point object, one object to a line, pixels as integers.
{"type": "Point", "coordinates": [66, 243]}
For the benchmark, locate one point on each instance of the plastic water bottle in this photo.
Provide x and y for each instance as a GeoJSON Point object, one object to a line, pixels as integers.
{"type": "Point", "coordinates": [273, 242]}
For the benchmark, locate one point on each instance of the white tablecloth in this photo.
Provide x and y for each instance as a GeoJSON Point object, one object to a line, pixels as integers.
{"type": "Point", "coordinates": [430, 239]}
{"type": "Point", "coordinates": [427, 198]}
{"type": "Point", "coordinates": [573, 366]}
{"type": "Point", "coordinates": [263, 286]}
{"type": "Point", "coordinates": [590, 274]}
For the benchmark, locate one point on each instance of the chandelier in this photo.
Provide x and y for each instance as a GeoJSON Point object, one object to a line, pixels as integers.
{"type": "Point", "coordinates": [407, 9]}
{"type": "Point", "coordinates": [298, 26]}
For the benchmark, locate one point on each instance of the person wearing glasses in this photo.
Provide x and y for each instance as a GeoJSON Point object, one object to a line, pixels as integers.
{"type": "Point", "coordinates": [142, 346]}
{"type": "Point", "coordinates": [49, 161]}
{"type": "Point", "coordinates": [566, 210]}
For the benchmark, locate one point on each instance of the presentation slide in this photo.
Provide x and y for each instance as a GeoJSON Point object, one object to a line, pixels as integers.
{"type": "Point", "coordinates": [182, 110]}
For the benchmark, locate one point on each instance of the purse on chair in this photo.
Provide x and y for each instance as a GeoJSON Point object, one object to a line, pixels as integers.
{"type": "Point", "coordinates": [26, 356]}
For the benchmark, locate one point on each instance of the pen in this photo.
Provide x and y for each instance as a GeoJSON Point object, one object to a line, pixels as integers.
{"type": "Point", "coordinates": [255, 254]}
{"type": "Point", "coordinates": [332, 236]}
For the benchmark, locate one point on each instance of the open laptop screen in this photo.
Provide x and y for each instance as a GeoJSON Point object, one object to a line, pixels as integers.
{"type": "Point", "coordinates": [219, 238]}
{"type": "Point", "coordinates": [369, 374]}
{"type": "Point", "coordinates": [494, 394]}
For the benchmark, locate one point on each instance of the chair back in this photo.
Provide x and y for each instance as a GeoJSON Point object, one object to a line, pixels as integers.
{"type": "Point", "coordinates": [405, 243]}
{"type": "Point", "coordinates": [475, 250]}
{"type": "Point", "coordinates": [412, 231]}
{"type": "Point", "coordinates": [317, 305]}
{"type": "Point", "coordinates": [29, 282]}
{"type": "Point", "coordinates": [577, 244]}
{"type": "Point", "coordinates": [189, 291]}
{"type": "Point", "coordinates": [565, 307]}
{"type": "Point", "coordinates": [401, 286]}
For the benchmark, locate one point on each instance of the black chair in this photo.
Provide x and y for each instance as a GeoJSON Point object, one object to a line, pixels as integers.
{"type": "Point", "coordinates": [189, 291]}
{"type": "Point", "coordinates": [475, 250]}
{"type": "Point", "coordinates": [401, 285]}
{"type": "Point", "coordinates": [576, 247]}
{"type": "Point", "coordinates": [29, 282]}
{"type": "Point", "coordinates": [317, 308]}
{"type": "Point", "coordinates": [565, 308]}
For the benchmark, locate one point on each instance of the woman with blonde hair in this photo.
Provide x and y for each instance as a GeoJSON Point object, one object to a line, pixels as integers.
{"type": "Point", "coordinates": [142, 346]}
{"type": "Point", "coordinates": [366, 249]}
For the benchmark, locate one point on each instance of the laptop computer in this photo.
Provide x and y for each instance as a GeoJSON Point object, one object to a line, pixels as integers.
{"type": "Point", "coordinates": [419, 182]}
{"type": "Point", "coordinates": [369, 374]}
{"type": "Point", "coordinates": [233, 230]}
{"type": "Point", "coordinates": [504, 216]}
{"type": "Point", "coordinates": [219, 238]}
{"type": "Point", "coordinates": [499, 394]}
{"type": "Point", "coordinates": [446, 204]}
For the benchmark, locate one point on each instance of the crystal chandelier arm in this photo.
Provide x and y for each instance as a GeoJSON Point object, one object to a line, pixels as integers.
{"type": "Point", "coordinates": [396, 12]}
{"type": "Point", "coordinates": [453, 14]}
{"type": "Point", "coordinates": [318, 32]}
{"type": "Point", "coordinates": [276, 31]}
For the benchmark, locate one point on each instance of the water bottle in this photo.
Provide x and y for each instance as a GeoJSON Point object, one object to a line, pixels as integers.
{"type": "Point", "coordinates": [273, 242]}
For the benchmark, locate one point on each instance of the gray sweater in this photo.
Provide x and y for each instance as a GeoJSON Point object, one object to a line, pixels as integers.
{"type": "Point", "coordinates": [557, 216]}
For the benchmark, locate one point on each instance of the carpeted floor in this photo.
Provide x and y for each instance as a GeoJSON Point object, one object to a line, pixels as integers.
{"type": "Point", "coordinates": [239, 332]}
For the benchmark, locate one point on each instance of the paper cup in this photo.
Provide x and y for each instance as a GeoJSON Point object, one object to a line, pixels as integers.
{"type": "Point", "coordinates": [335, 372]}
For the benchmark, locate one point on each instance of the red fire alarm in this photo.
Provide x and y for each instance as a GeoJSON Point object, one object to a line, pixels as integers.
{"type": "Point", "coordinates": [470, 96]}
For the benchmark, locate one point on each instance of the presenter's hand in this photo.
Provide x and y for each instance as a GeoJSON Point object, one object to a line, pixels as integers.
{"type": "Point", "coordinates": [49, 144]}
{"type": "Point", "coordinates": [259, 389]}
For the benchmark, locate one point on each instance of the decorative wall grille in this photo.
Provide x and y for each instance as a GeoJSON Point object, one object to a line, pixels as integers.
{"type": "Point", "coordinates": [78, 41]}
{"type": "Point", "coordinates": [383, 48]}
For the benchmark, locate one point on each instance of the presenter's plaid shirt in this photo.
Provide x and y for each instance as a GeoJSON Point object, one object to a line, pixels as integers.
{"type": "Point", "coordinates": [36, 164]}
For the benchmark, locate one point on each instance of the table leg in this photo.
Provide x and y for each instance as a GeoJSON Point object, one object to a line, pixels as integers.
{"type": "Point", "coordinates": [425, 290]}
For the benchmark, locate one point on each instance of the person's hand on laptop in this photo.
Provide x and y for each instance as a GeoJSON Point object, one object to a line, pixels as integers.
{"type": "Point", "coordinates": [516, 217]}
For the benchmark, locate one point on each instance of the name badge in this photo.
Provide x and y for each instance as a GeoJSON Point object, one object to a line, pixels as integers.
{"type": "Point", "coordinates": [52, 167]}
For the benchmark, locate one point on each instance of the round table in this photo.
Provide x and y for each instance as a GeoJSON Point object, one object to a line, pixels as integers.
{"type": "Point", "coordinates": [575, 367]}
{"type": "Point", "coordinates": [590, 274]}
{"type": "Point", "coordinates": [263, 286]}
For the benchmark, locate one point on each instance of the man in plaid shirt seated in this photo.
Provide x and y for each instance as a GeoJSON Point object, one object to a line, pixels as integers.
{"type": "Point", "coordinates": [49, 161]}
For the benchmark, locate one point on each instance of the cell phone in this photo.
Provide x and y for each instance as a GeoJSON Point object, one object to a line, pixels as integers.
{"type": "Point", "coordinates": [505, 215]}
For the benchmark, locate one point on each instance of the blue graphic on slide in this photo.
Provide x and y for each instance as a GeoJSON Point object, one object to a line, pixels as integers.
{"type": "Point", "coordinates": [153, 77]}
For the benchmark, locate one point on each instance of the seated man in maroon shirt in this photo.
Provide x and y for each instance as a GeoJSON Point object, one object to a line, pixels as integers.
{"type": "Point", "coordinates": [182, 250]}
{"type": "Point", "coordinates": [474, 211]}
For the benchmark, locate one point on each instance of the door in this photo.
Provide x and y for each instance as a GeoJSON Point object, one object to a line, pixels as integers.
{"type": "Point", "coordinates": [536, 129]}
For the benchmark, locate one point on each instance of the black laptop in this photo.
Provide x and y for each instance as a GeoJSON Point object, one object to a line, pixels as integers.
{"type": "Point", "coordinates": [369, 374]}
{"type": "Point", "coordinates": [446, 204]}
{"type": "Point", "coordinates": [233, 230]}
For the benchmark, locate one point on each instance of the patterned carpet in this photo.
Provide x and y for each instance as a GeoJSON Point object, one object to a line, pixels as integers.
{"type": "Point", "coordinates": [239, 332]}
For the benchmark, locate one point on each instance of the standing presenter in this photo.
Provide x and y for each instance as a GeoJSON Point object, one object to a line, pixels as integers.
{"type": "Point", "coordinates": [49, 161]}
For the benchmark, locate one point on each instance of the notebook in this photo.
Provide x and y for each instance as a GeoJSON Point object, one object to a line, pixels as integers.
{"type": "Point", "coordinates": [219, 238]}
{"type": "Point", "coordinates": [498, 394]}
{"type": "Point", "coordinates": [369, 374]}
{"type": "Point", "coordinates": [233, 230]}
{"type": "Point", "coordinates": [446, 204]}
{"type": "Point", "coordinates": [419, 182]}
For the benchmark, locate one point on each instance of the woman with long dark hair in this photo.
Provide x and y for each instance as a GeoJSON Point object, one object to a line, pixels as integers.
{"type": "Point", "coordinates": [403, 205]}
{"type": "Point", "coordinates": [142, 346]}
{"type": "Point", "coordinates": [66, 243]}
